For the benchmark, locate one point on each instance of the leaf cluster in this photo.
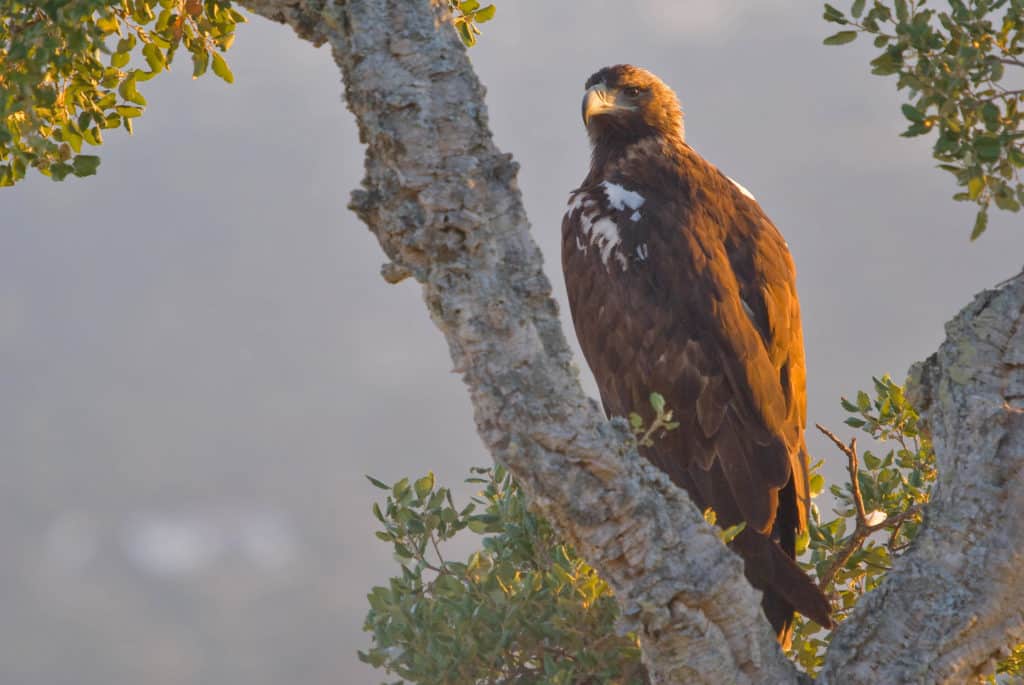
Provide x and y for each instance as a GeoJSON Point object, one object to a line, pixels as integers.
{"type": "Point", "coordinates": [955, 64]}
{"type": "Point", "coordinates": [876, 513]}
{"type": "Point", "coordinates": [70, 71]}
{"type": "Point", "coordinates": [660, 424]}
{"type": "Point", "coordinates": [467, 15]}
{"type": "Point", "coordinates": [525, 608]}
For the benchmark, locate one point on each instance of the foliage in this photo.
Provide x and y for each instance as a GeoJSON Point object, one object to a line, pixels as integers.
{"type": "Point", "coordinates": [523, 609]}
{"type": "Point", "coordinates": [469, 13]}
{"type": "Point", "coordinates": [954, 64]}
{"type": "Point", "coordinates": [661, 424]}
{"type": "Point", "coordinates": [70, 70]}
{"type": "Point", "coordinates": [1013, 665]}
{"type": "Point", "coordinates": [876, 513]}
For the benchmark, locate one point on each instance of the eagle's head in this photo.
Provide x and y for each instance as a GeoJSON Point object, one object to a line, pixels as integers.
{"type": "Point", "coordinates": [626, 103]}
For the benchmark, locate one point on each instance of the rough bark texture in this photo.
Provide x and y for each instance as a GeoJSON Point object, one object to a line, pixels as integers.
{"type": "Point", "coordinates": [444, 203]}
{"type": "Point", "coordinates": [952, 604]}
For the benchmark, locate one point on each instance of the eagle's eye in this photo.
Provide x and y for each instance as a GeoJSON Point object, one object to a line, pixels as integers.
{"type": "Point", "coordinates": [631, 91]}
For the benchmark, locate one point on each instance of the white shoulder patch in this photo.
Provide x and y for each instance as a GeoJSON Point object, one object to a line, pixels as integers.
{"type": "Point", "coordinates": [620, 198]}
{"type": "Point", "coordinates": [742, 189]}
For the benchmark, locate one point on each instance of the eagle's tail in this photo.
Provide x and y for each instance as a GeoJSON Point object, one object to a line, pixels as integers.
{"type": "Point", "coordinates": [786, 587]}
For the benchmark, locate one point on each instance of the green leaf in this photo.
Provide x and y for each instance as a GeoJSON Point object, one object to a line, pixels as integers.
{"type": "Point", "coordinates": [220, 67]}
{"type": "Point", "coordinates": [154, 57]}
{"type": "Point", "coordinates": [658, 403]}
{"type": "Point", "coordinates": [378, 484]}
{"type": "Point", "coordinates": [990, 113]}
{"type": "Point", "coordinates": [988, 148]}
{"type": "Point", "coordinates": [465, 33]}
{"type": "Point", "coordinates": [913, 113]}
{"type": "Point", "coordinates": [863, 401]}
{"type": "Point", "coordinates": [841, 38]}
{"type": "Point", "coordinates": [129, 91]}
{"type": "Point", "coordinates": [730, 533]}
{"type": "Point", "coordinates": [833, 15]}
{"type": "Point", "coordinates": [400, 488]}
{"type": "Point", "coordinates": [975, 186]}
{"type": "Point", "coordinates": [1006, 202]}
{"type": "Point", "coordinates": [710, 516]}
{"type": "Point", "coordinates": [857, 8]}
{"type": "Point", "coordinates": [902, 12]}
{"type": "Point", "coordinates": [485, 14]}
{"type": "Point", "coordinates": [59, 171]}
{"type": "Point", "coordinates": [980, 224]}
{"type": "Point", "coordinates": [128, 111]}
{"type": "Point", "coordinates": [85, 165]}
{"type": "Point", "coordinates": [424, 485]}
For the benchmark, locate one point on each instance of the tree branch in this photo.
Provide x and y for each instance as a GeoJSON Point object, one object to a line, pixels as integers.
{"type": "Point", "coordinates": [444, 204]}
{"type": "Point", "coordinates": [863, 529]}
{"type": "Point", "coordinates": [953, 602]}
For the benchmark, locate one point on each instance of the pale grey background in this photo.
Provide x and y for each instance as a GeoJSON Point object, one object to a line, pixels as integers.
{"type": "Point", "coordinates": [199, 362]}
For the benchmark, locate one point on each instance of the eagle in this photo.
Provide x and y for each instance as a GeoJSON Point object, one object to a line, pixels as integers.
{"type": "Point", "coordinates": [679, 284]}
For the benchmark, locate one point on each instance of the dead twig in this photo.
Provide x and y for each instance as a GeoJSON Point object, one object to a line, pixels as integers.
{"type": "Point", "coordinates": [863, 529]}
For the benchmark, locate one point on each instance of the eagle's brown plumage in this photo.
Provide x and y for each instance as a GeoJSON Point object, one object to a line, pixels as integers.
{"type": "Point", "coordinates": [679, 284]}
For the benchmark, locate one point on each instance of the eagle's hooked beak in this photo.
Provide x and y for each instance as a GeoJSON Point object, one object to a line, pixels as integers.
{"type": "Point", "coordinates": [597, 100]}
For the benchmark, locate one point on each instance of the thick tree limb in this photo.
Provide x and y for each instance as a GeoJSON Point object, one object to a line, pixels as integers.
{"type": "Point", "coordinates": [444, 203]}
{"type": "Point", "coordinates": [955, 600]}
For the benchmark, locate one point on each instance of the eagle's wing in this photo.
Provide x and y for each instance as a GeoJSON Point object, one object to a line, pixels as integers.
{"type": "Point", "coordinates": [709, 318]}
{"type": "Point", "coordinates": [740, 376]}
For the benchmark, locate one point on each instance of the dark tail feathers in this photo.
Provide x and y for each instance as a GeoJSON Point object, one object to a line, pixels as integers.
{"type": "Point", "coordinates": [785, 585]}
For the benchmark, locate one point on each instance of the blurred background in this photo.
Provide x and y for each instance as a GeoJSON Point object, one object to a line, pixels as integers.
{"type": "Point", "coordinates": [199, 361]}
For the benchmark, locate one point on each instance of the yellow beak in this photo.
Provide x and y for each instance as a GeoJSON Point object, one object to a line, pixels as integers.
{"type": "Point", "coordinates": [597, 100]}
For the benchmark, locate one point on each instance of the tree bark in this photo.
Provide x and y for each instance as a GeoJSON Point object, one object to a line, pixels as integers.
{"type": "Point", "coordinates": [444, 204]}
{"type": "Point", "coordinates": [950, 606]}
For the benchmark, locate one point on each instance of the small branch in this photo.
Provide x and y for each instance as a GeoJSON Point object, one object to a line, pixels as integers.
{"type": "Point", "coordinates": [851, 453]}
{"type": "Point", "coordinates": [437, 551]}
{"type": "Point", "coordinates": [863, 530]}
{"type": "Point", "coordinates": [662, 421]}
{"type": "Point", "coordinates": [852, 545]}
{"type": "Point", "coordinates": [952, 601]}
{"type": "Point", "coordinates": [1003, 95]}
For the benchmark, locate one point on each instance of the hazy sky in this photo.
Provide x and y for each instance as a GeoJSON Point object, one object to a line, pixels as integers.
{"type": "Point", "coordinates": [202, 329]}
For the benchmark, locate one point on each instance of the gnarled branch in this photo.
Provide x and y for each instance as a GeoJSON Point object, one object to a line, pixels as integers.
{"type": "Point", "coordinates": [950, 606]}
{"type": "Point", "coordinates": [444, 204]}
